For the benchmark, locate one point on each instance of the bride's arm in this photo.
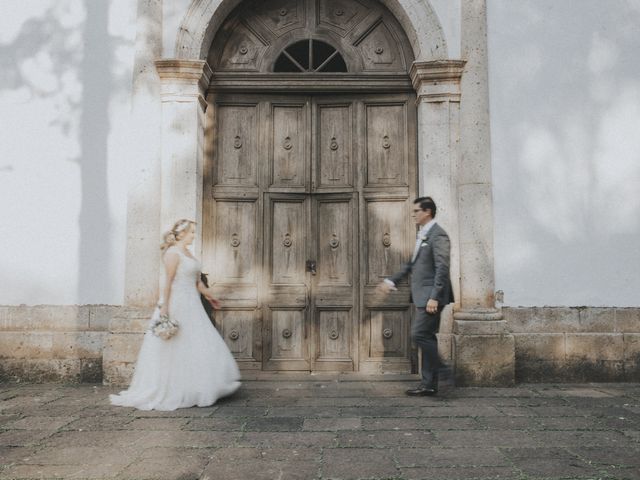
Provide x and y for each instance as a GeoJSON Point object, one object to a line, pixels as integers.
{"type": "Point", "coordinates": [206, 291]}
{"type": "Point", "coordinates": [171, 260]}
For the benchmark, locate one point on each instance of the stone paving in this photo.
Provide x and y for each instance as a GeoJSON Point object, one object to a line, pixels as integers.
{"type": "Point", "coordinates": [323, 428]}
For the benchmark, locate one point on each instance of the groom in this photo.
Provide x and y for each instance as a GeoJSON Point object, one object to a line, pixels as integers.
{"type": "Point", "coordinates": [431, 291]}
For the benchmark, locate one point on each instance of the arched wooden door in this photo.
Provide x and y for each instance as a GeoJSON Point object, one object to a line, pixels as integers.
{"type": "Point", "coordinates": [306, 198]}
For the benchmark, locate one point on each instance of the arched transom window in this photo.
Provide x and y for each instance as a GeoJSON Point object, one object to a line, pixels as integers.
{"type": "Point", "coordinates": [310, 56]}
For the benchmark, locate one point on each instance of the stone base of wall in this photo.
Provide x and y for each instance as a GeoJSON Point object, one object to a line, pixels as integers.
{"type": "Point", "coordinates": [126, 332]}
{"type": "Point", "coordinates": [99, 343]}
{"type": "Point", "coordinates": [48, 343]}
{"type": "Point", "coordinates": [581, 344]}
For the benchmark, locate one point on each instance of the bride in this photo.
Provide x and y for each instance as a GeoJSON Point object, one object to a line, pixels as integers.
{"type": "Point", "coordinates": [194, 367]}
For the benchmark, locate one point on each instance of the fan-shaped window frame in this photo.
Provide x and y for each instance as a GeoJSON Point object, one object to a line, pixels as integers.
{"type": "Point", "coordinates": [294, 60]}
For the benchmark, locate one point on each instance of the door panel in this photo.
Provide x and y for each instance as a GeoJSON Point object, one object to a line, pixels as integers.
{"type": "Point", "coordinates": [286, 335]}
{"type": "Point", "coordinates": [241, 331]}
{"type": "Point", "coordinates": [237, 145]}
{"type": "Point", "coordinates": [235, 257]}
{"type": "Point", "coordinates": [334, 346]}
{"type": "Point", "coordinates": [333, 148]}
{"type": "Point", "coordinates": [386, 238]}
{"type": "Point", "coordinates": [386, 143]}
{"type": "Point", "coordinates": [335, 249]}
{"type": "Point", "coordinates": [389, 337]}
{"type": "Point", "coordinates": [289, 151]}
{"type": "Point", "coordinates": [288, 237]}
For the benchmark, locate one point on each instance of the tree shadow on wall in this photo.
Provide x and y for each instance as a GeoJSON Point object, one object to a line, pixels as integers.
{"type": "Point", "coordinates": [76, 59]}
{"type": "Point", "coordinates": [565, 103]}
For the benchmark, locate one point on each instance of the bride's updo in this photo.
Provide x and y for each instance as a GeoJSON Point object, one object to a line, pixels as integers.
{"type": "Point", "coordinates": [172, 236]}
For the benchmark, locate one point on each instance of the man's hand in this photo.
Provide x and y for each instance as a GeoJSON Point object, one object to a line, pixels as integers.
{"type": "Point", "coordinates": [384, 288]}
{"type": "Point", "coordinates": [432, 306]}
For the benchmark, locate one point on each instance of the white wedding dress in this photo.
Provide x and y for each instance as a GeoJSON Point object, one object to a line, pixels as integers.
{"type": "Point", "coordinates": [194, 367]}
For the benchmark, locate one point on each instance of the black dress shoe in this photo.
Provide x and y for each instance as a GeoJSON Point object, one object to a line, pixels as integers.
{"type": "Point", "coordinates": [422, 391]}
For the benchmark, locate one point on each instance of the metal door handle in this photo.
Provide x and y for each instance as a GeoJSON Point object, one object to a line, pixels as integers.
{"type": "Point", "coordinates": [311, 266]}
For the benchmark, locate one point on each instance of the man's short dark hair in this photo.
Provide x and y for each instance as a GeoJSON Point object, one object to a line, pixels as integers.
{"type": "Point", "coordinates": [427, 203]}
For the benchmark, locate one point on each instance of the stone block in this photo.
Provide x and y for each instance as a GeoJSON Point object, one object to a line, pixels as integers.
{"type": "Point", "coordinates": [480, 327]}
{"type": "Point", "coordinates": [26, 345]}
{"type": "Point", "coordinates": [594, 346]}
{"type": "Point", "coordinates": [91, 370]}
{"type": "Point", "coordinates": [628, 320]}
{"type": "Point", "coordinates": [78, 345]}
{"type": "Point", "coordinates": [100, 317]}
{"type": "Point", "coordinates": [494, 349]}
{"type": "Point", "coordinates": [536, 371]}
{"type": "Point", "coordinates": [117, 373]}
{"type": "Point", "coordinates": [542, 319]}
{"type": "Point", "coordinates": [580, 370]}
{"type": "Point", "coordinates": [445, 346]}
{"type": "Point", "coordinates": [632, 357]}
{"type": "Point", "coordinates": [597, 320]}
{"type": "Point", "coordinates": [44, 317]}
{"type": "Point", "coordinates": [40, 370]}
{"type": "Point", "coordinates": [131, 320]}
{"type": "Point", "coordinates": [122, 347]}
{"type": "Point", "coordinates": [487, 360]}
{"type": "Point", "coordinates": [539, 347]}
{"type": "Point", "coordinates": [358, 463]}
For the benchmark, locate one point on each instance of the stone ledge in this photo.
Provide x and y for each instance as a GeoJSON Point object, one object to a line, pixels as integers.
{"type": "Point", "coordinates": [61, 318]}
{"type": "Point", "coordinates": [572, 319]}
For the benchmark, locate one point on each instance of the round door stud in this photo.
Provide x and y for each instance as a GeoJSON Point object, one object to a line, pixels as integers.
{"type": "Point", "coordinates": [234, 335]}
{"type": "Point", "coordinates": [286, 333]}
{"type": "Point", "coordinates": [333, 335]}
{"type": "Point", "coordinates": [387, 333]}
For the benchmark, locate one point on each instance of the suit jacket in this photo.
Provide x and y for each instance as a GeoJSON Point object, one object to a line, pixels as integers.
{"type": "Point", "coordinates": [430, 278]}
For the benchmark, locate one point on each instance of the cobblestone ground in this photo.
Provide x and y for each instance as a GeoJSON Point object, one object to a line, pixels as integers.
{"type": "Point", "coordinates": [326, 429]}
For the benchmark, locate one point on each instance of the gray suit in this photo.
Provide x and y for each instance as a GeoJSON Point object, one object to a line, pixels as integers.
{"type": "Point", "coordinates": [430, 279]}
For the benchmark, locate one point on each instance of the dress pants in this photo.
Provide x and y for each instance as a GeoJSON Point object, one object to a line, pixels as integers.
{"type": "Point", "coordinates": [423, 333]}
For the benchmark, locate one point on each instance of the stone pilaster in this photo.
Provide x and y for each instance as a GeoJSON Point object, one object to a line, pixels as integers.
{"type": "Point", "coordinates": [182, 87]}
{"type": "Point", "coordinates": [437, 86]}
{"type": "Point", "coordinates": [484, 349]}
{"type": "Point", "coordinates": [183, 90]}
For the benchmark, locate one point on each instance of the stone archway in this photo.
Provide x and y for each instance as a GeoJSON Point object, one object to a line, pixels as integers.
{"type": "Point", "coordinates": [418, 20]}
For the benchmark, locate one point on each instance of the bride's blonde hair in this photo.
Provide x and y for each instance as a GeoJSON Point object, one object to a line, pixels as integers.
{"type": "Point", "coordinates": [172, 236]}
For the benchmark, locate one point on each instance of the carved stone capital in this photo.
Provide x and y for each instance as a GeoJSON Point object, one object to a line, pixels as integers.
{"type": "Point", "coordinates": [184, 78]}
{"type": "Point", "coordinates": [437, 81]}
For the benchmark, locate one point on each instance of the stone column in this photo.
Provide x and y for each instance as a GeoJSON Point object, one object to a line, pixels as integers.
{"type": "Point", "coordinates": [183, 91]}
{"type": "Point", "coordinates": [437, 86]}
{"type": "Point", "coordinates": [143, 202]}
{"type": "Point", "coordinates": [484, 348]}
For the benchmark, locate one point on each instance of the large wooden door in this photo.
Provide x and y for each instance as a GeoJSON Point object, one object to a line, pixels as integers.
{"type": "Point", "coordinates": [306, 212]}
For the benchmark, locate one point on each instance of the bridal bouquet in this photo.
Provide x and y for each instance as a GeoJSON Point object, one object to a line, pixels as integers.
{"type": "Point", "coordinates": [162, 326]}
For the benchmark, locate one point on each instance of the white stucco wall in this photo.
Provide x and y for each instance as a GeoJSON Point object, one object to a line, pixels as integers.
{"type": "Point", "coordinates": [565, 117]}
{"type": "Point", "coordinates": [565, 110]}
{"type": "Point", "coordinates": [65, 81]}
